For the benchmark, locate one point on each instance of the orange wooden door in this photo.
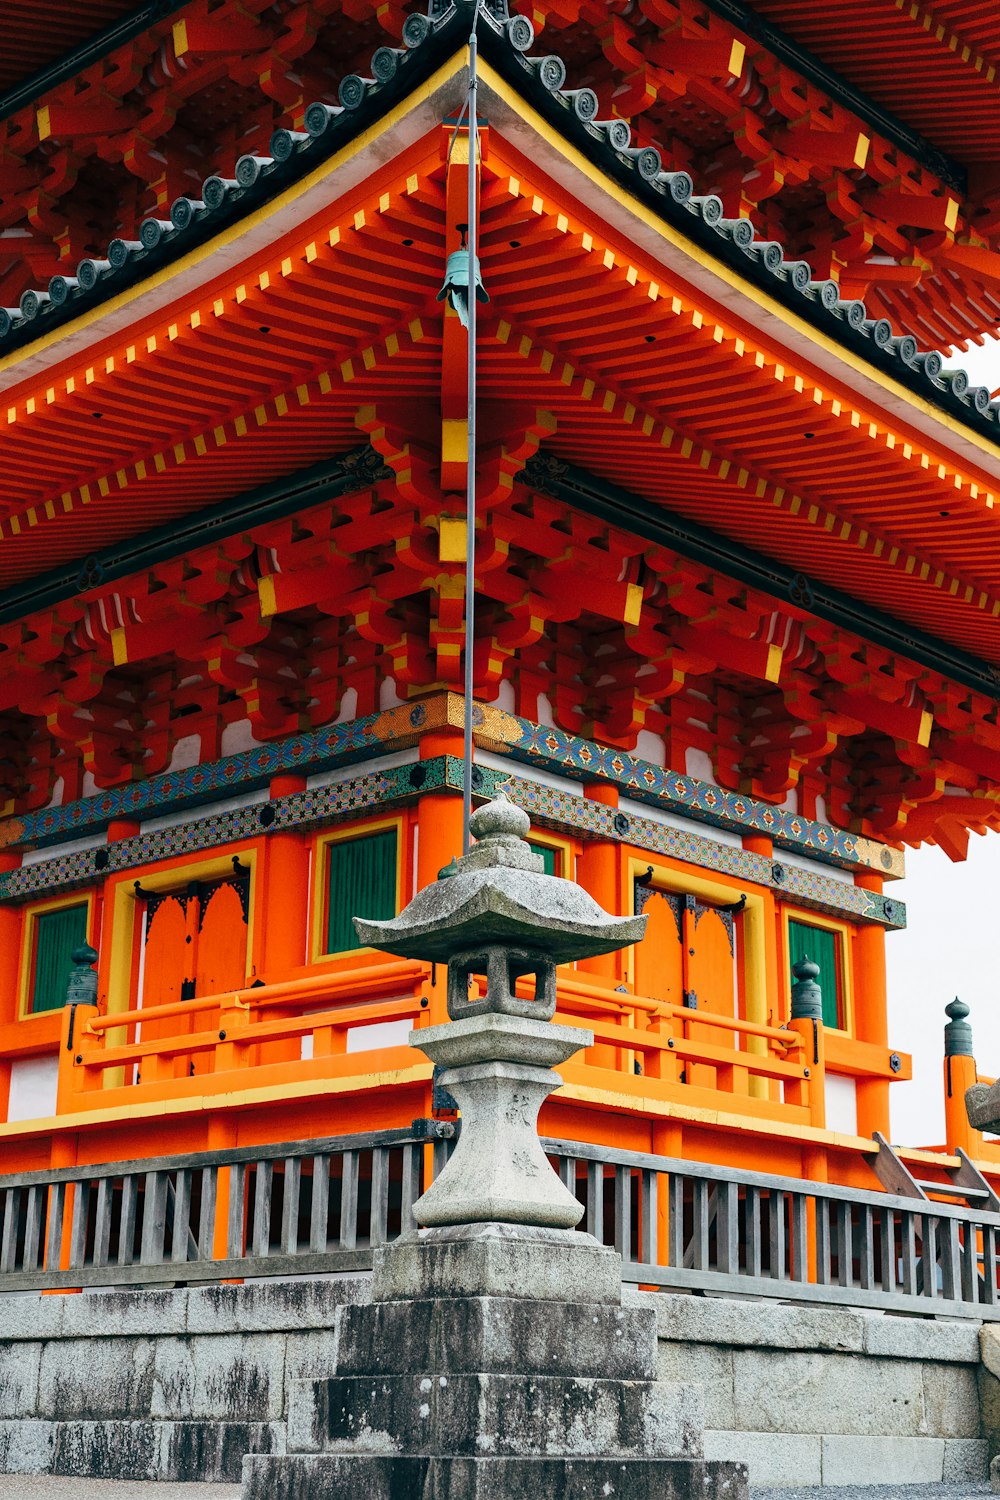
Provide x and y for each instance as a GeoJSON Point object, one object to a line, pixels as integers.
{"type": "Point", "coordinates": [688, 957]}
{"type": "Point", "coordinates": [221, 948]}
{"type": "Point", "coordinates": [659, 960]}
{"type": "Point", "coordinates": [221, 953]}
{"type": "Point", "coordinates": [194, 943]}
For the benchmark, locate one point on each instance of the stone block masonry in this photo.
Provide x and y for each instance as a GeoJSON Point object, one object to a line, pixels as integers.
{"type": "Point", "coordinates": [808, 1396]}
{"type": "Point", "coordinates": [173, 1385]}
{"type": "Point", "coordinates": [178, 1385]}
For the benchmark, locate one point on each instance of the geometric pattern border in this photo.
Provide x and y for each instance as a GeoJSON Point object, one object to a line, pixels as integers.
{"type": "Point", "coordinates": [376, 734]}
{"type": "Point", "coordinates": [552, 807]}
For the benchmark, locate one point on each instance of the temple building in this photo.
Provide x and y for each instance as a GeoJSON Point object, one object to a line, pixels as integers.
{"type": "Point", "coordinates": [737, 626]}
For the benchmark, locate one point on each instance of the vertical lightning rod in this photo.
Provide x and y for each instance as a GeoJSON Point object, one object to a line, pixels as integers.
{"type": "Point", "coordinates": [470, 490]}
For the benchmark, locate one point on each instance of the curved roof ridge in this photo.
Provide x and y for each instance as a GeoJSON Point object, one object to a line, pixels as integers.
{"type": "Point", "coordinates": [574, 112]}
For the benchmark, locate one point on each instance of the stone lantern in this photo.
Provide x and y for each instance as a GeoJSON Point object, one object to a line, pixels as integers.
{"type": "Point", "coordinates": [495, 914]}
{"type": "Point", "coordinates": [495, 1359]}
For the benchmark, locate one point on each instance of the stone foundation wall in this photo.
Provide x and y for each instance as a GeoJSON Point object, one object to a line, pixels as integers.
{"type": "Point", "coordinates": [180, 1384]}
{"type": "Point", "coordinates": [822, 1395]}
{"type": "Point", "coordinates": [160, 1384]}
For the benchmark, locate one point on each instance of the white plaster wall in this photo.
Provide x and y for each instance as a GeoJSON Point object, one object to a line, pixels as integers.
{"type": "Point", "coordinates": [32, 1088]}
{"type": "Point", "coordinates": [841, 1104]}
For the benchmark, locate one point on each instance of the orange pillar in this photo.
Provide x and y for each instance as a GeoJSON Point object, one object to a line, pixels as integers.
{"type": "Point", "coordinates": [118, 829]}
{"type": "Point", "coordinates": [776, 1003]}
{"type": "Point", "coordinates": [279, 942]}
{"type": "Point", "coordinates": [10, 954]}
{"type": "Point", "coordinates": [283, 913]}
{"type": "Point", "coordinates": [871, 1016]}
{"type": "Point", "coordinates": [959, 1075]}
{"type": "Point", "coordinates": [439, 840]}
{"type": "Point", "coordinates": [63, 1153]}
{"type": "Point", "coordinates": [598, 870]}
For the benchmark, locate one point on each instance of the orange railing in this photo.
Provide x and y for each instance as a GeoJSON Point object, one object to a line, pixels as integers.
{"type": "Point", "coordinates": [257, 1030]}
{"type": "Point", "coordinates": [301, 1029]}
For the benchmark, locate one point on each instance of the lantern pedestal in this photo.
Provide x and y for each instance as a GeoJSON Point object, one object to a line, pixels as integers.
{"type": "Point", "coordinates": [495, 1360]}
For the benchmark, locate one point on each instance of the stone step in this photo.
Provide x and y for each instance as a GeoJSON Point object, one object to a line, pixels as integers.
{"type": "Point", "coordinates": [141, 1450]}
{"type": "Point", "coordinates": [404, 1477]}
{"type": "Point", "coordinates": [500, 1415]}
{"type": "Point", "coordinates": [498, 1335]}
{"type": "Point", "coordinates": [51, 1487]}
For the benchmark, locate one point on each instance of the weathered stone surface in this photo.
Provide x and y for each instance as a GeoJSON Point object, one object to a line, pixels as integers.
{"type": "Point", "coordinates": [29, 1315]}
{"type": "Point", "coordinates": [497, 895]}
{"type": "Point", "coordinates": [199, 1451]}
{"type": "Point", "coordinates": [709, 1367]}
{"type": "Point", "coordinates": [966, 1460]}
{"type": "Point", "coordinates": [311, 1355]}
{"type": "Point", "coordinates": [234, 1377]}
{"type": "Point", "coordinates": [187, 1452]}
{"type": "Point", "coordinates": [781, 1459]}
{"type": "Point", "coordinates": [989, 1347]}
{"type": "Point", "coordinates": [499, 1260]}
{"type": "Point", "coordinates": [826, 1393]}
{"type": "Point", "coordinates": [20, 1366]}
{"type": "Point", "coordinates": [499, 1415]}
{"type": "Point", "coordinates": [882, 1460]}
{"type": "Point", "coordinates": [951, 1400]}
{"type": "Point", "coordinates": [26, 1447]}
{"type": "Point", "coordinates": [106, 1383]}
{"type": "Point", "coordinates": [498, 1335]}
{"type": "Point", "coordinates": [106, 1450]}
{"type": "Point", "coordinates": [131, 1313]}
{"type": "Point", "coordinates": [498, 1171]}
{"type": "Point", "coordinates": [719, 1320]}
{"type": "Point", "coordinates": [989, 1409]}
{"type": "Point", "coordinates": [921, 1338]}
{"type": "Point", "coordinates": [273, 1305]}
{"type": "Point", "coordinates": [337, 1477]}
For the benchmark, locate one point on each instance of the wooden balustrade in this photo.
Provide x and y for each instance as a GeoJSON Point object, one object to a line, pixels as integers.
{"type": "Point", "coordinates": [258, 1032]}
{"type": "Point", "coordinates": [312, 1207]}
{"type": "Point", "coordinates": [102, 1054]}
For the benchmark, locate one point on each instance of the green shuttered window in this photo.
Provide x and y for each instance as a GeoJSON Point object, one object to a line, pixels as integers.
{"type": "Point", "coordinates": [56, 934]}
{"type": "Point", "coordinates": [823, 947]}
{"type": "Point", "coordinates": [550, 856]}
{"type": "Point", "coordinates": [361, 882]}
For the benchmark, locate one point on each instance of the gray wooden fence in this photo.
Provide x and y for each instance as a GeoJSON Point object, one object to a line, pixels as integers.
{"type": "Point", "coordinates": [319, 1206]}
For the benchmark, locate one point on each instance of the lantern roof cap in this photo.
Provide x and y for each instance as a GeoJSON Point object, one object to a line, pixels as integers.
{"type": "Point", "coordinates": [499, 893]}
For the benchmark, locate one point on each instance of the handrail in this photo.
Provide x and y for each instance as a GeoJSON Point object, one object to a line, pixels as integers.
{"type": "Point", "coordinates": [267, 1031]}
{"type": "Point", "coordinates": [283, 993]}
{"type": "Point", "coordinates": [620, 1000]}
{"type": "Point", "coordinates": [311, 1207]}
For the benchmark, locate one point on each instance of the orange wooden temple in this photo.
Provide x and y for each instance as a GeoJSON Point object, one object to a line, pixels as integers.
{"type": "Point", "coordinates": [736, 557]}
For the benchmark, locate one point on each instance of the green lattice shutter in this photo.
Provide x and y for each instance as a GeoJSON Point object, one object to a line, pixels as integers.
{"type": "Point", "coordinates": [820, 945]}
{"type": "Point", "coordinates": [57, 933]}
{"type": "Point", "coordinates": [361, 883]}
{"type": "Point", "coordinates": [549, 855]}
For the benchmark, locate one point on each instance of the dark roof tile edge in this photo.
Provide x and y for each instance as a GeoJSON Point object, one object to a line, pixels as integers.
{"type": "Point", "coordinates": [394, 72]}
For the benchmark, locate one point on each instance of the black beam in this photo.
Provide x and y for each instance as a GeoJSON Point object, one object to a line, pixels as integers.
{"type": "Point", "coordinates": [339, 476]}
{"type": "Point", "coordinates": [598, 497]}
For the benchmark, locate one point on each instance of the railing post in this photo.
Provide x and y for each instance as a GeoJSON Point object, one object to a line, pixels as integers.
{"type": "Point", "coordinates": [233, 1015]}
{"type": "Point", "coordinates": [959, 1075]}
{"type": "Point", "coordinates": [871, 1019]}
{"type": "Point", "coordinates": [807, 1020]}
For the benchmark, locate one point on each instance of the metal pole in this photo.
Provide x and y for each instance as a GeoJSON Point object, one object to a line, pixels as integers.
{"type": "Point", "coordinates": [470, 483]}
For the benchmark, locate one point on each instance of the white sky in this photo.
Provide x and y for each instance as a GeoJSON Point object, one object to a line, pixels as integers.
{"type": "Point", "coordinates": [949, 947]}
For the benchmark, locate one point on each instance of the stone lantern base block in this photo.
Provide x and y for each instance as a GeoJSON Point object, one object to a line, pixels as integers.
{"type": "Point", "coordinates": [401, 1477]}
{"type": "Point", "coordinates": [499, 1416]}
{"type": "Point", "coordinates": [498, 1260]}
{"type": "Point", "coordinates": [498, 1336]}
